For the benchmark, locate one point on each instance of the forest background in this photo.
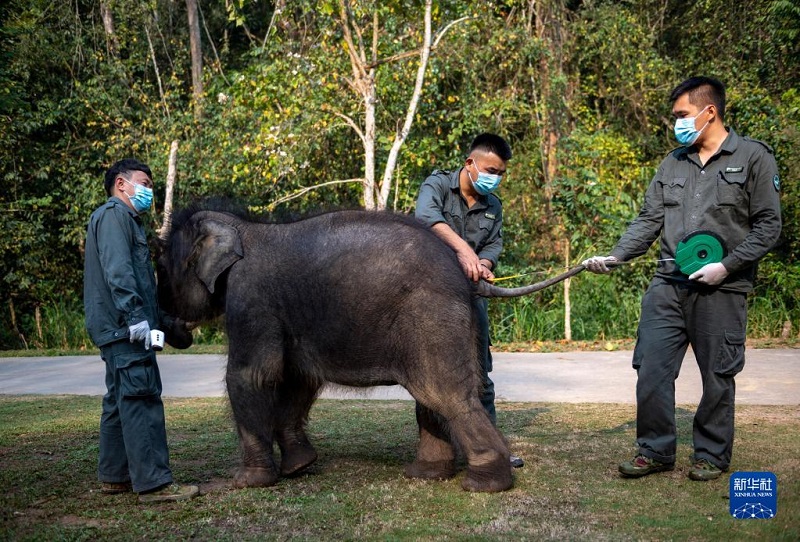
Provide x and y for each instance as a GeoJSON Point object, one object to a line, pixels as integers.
{"type": "Point", "coordinates": [295, 106]}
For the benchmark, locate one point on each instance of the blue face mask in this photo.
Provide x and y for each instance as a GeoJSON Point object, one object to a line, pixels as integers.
{"type": "Point", "coordinates": [685, 132]}
{"type": "Point", "coordinates": [142, 197]}
{"type": "Point", "coordinates": [486, 183]}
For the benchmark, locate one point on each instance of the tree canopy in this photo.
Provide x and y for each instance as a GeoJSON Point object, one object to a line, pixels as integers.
{"type": "Point", "coordinates": [277, 114]}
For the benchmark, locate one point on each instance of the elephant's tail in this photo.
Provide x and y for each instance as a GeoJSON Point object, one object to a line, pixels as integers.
{"type": "Point", "coordinates": [486, 289]}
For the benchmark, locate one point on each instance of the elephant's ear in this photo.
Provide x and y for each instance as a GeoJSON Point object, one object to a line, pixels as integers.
{"type": "Point", "coordinates": [218, 247]}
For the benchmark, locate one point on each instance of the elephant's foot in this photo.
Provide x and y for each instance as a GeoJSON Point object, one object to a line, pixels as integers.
{"type": "Point", "coordinates": [489, 478]}
{"type": "Point", "coordinates": [297, 459]}
{"type": "Point", "coordinates": [255, 477]}
{"type": "Point", "coordinates": [431, 470]}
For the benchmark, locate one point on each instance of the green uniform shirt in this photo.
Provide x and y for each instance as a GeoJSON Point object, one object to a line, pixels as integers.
{"type": "Point", "coordinates": [440, 200]}
{"type": "Point", "coordinates": [735, 195]}
{"type": "Point", "coordinates": [119, 287]}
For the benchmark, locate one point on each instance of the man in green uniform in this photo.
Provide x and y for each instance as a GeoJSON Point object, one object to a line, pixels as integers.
{"type": "Point", "coordinates": [726, 186]}
{"type": "Point", "coordinates": [461, 209]}
{"type": "Point", "coordinates": [121, 309]}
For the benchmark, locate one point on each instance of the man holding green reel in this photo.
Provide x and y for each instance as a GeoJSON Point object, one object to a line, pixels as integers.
{"type": "Point", "coordinates": [715, 203]}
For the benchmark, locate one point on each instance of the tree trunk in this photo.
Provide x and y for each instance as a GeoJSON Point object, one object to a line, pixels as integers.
{"type": "Point", "coordinates": [551, 98]}
{"type": "Point", "coordinates": [549, 71]}
{"type": "Point", "coordinates": [197, 57]}
{"type": "Point", "coordinates": [157, 71]}
{"type": "Point", "coordinates": [112, 42]}
{"type": "Point", "coordinates": [363, 82]}
{"type": "Point", "coordinates": [172, 173]}
{"type": "Point", "coordinates": [400, 137]}
{"type": "Point", "coordinates": [369, 142]}
{"type": "Point", "coordinates": [567, 303]}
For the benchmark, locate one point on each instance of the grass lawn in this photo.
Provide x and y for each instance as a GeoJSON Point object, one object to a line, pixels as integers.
{"type": "Point", "coordinates": [569, 488]}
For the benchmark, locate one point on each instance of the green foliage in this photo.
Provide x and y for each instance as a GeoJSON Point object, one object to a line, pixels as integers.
{"type": "Point", "coordinates": [601, 180]}
{"type": "Point", "coordinates": [579, 89]}
{"type": "Point", "coordinates": [624, 76]}
{"type": "Point", "coordinates": [542, 317]}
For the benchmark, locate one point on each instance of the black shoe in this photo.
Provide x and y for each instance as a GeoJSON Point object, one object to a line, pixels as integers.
{"type": "Point", "coordinates": [517, 462]}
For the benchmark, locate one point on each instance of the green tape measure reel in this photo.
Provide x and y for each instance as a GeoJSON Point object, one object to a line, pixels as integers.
{"type": "Point", "coordinates": [698, 249]}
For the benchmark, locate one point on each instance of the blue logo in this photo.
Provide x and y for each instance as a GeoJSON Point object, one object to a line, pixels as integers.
{"type": "Point", "coordinates": [754, 495]}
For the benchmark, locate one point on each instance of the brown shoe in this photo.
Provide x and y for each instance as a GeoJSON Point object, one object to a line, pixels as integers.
{"type": "Point", "coordinates": [642, 466]}
{"type": "Point", "coordinates": [115, 488]}
{"type": "Point", "coordinates": [704, 470]}
{"type": "Point", "coordinates": [169, 493]}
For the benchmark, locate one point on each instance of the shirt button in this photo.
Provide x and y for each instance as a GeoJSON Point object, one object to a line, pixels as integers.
{"type": "Point", "coordinates": [702, 172]}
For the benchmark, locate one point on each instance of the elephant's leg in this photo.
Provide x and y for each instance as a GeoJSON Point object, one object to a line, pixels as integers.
{"type": "Point", "coordinates": [488, 466]}
{"type": "Point", "coordinates": [297, 452]}
{"type": "Point", "coordinates": [253, 408]}
{"type": "Point", "coordinates": [258, 466]}
{"type": "Point", "coordinates": [456, 399]}
{"type": "Point", "coordinates": [296, 398]}
{"type": "Point", "coordinates": [435, 455]}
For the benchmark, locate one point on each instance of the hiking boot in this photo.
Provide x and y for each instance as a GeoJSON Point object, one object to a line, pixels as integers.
{"type": "Point", "coordinates": [517, 462]}
{"type": "Point", "coordinates": [169, 493]}
{"type": "Point", "coordinates": [704, 470]}
{"type": "Point", "coordinates": [642, 466]}
{"type": "Point", "coordinates": [115, 488]}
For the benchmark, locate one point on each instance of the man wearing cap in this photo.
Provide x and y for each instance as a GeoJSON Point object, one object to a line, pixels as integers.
{"type": "Point", "coordinates": [725, 187]}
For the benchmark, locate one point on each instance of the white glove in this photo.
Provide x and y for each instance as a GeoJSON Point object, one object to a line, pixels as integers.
{"type": "Point", "coordinates": [711, 274]}
{"type": "Point", "coordinates": [140, 332]}
{"type": "Point", "coordinates": [597, 264]}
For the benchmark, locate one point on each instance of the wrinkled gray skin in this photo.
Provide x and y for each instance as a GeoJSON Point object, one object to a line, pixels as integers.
{"type": "Point", "coordinates": [352, 297]}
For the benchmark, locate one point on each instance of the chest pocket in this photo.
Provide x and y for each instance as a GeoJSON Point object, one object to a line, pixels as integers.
{"type": "Point", "coordinates": [141, 252]}
{"type": "Point", "coordinates": [453, 219]}
{"type": "Point", "coordinates": [673, 191]}
{"type": "Point", "coordinates": [730, 187]}
{"type": "Point", "coordinates": [485, 226]}
{"type": "Point", "coordinates": [143, 268]}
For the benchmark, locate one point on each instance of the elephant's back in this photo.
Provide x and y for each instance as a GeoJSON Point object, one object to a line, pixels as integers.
{"type": "Point", "coordinates": [345, 257]}
{"type": "Point", "coordinates": [358, 243]}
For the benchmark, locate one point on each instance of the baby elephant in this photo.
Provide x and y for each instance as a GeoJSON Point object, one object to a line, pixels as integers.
{"type": "Point", "coordinates": [357, 298]}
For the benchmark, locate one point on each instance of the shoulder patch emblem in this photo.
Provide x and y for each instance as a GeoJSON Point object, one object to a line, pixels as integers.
{"type": "Point", "coordinates": [776, 182]}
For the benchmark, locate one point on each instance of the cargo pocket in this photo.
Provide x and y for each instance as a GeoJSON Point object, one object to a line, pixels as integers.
{"type": "Point", "coordinates": [637, 354]}
{"type": "Point", "coordinates": [138, 375]}
{"type": "Point", "coordinates": [730, 361]}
